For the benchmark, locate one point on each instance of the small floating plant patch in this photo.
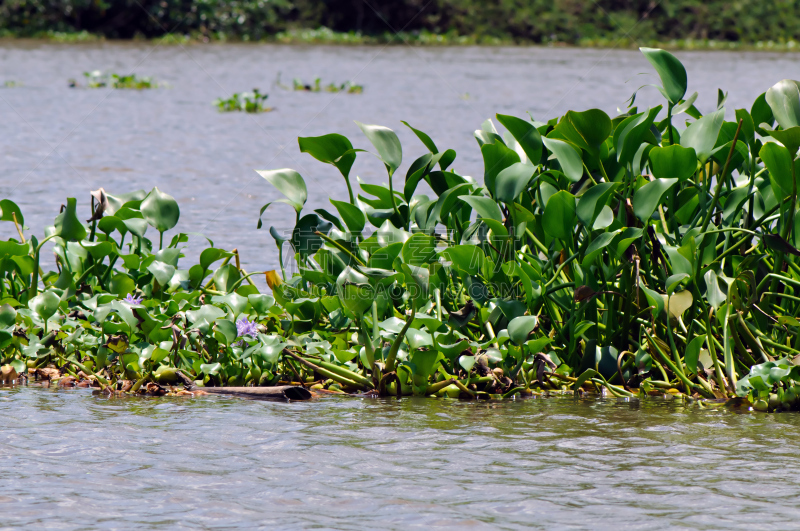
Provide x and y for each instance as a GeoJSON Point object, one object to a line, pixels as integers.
{"type": "Point", "coordinates": [252, 102]}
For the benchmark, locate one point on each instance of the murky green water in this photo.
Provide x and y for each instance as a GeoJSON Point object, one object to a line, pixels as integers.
{"type": "Point", "coordinates": [71, 460]}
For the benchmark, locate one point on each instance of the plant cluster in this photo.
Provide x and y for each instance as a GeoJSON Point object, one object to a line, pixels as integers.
{"type": "Point", "coordinates": [348, 86]}
{"type": "Point", "coordinates": [252, 102]}
{"type": "Point", "coordinates": [98, 79]}
{"type": "Point", "coordinates": [625, 255]}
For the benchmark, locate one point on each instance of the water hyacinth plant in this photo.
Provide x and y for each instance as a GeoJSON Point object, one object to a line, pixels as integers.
{"type": "Point", "coordinates": [655, 251]}
{"type": "Point", "coordinates": [299, 85]}
{"type": "Point", "coordinates": [252, 102]}
{"type": "Point", "coordinates": [98, 79]}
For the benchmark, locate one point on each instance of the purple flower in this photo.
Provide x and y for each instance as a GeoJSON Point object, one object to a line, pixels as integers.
{"type": "Point", "coordinates": [244, 327]}
{"type": "Point", "coordinates": [130, 299]}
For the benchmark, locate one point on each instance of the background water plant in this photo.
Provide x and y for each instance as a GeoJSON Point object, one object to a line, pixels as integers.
{"type": "Point", "coordinates": [98, 79]}
{"type": "Point", "coordinates": [252, 102]}
{"type": "Point", "coordinates": [624, 254]}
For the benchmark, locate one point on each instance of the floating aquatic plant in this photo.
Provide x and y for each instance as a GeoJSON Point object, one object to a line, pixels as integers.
{"type": "Point", "coordinates": [98, 79]}
{"type": "Point", "coordinates": [647, 253]}
{"type": "Point", "coordinates": [299, 85]}
{"type": "Point", "coordinates": [252, 102]}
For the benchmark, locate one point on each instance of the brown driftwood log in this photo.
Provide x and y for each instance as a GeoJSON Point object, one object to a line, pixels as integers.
{"type": "Point", "coordinates": [285, 392]}
{"type": "Point", "coordinates": [282, 392]}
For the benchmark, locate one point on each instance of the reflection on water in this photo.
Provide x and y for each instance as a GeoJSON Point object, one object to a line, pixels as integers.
{"type": "Point", "coordinates": [72, 460]}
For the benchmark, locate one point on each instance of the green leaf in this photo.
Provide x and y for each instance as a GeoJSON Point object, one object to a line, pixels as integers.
{"type": "Point", "coordinates": [526, 135]}
{"type": "Point", "coordinates": [788, 137]}
{"type": "Point", "coordinates": [714, 295]}
{"type": "Point", "coordinates": [161, 272]}
{"type": "Point", "coordinates": [160, 210]}
{"type": "Point", "coordinates": [670, 70]}
{"type": "Point", "coordinates": [778, 161]}
{"type": "Point", "coordinates": [8, 316]}
{"type": "Point", "coordinates": [559, 216]}
{"type": "Point", "coordinates": [225, 277]}
{"type": "Point", "coordinates": [67, 224]}
{"type": "Point", "coordinates": [417, 283]}
{"type": "Point", "coordinates": [484, 206]}
{"type": "Point", "coordinates": [568, 157]}
{"type": "Point", "coordinates": [424, 138]}
{"type": "Point", "coordinates": [648, 197]}
{"type": "Point", "coordinates": [305, 240]}
{"type": "Point", "coordinates": [355, 292]}
{"type": "Point", "coordinates": [386, 142]}
{"type": "Point", "coordinates": [673, 162]}
{"type": "Point", "coordinates": [784, 100]}
{"type": "Point", "coordinates": [468, 259]}
{"type": "Point", "coordinates": [591, 203]}
{"type": "Point", "coordinates": [353, 217]}
{"type": "Point", "coordinates": [588, 129]}
{"type": "Point", "coordinates": [692, 353]}
{"type": "Point", "coordinates": [512, 181]}
{"type": "Point", "coordinates": [702, 135]}
{"type": "Point", "coordinates": [496, 158]}
{"type": "Point", "coordinates": [45, 304]}
{"type": "Point", "coordinates": [121, 285]}
{"type": "Point", "coordinates": [9, 209]}
{"type": "Point", "coordinates": [520, 328]}
{"type": "Point", "coordinates": [289, 183]}
{"type": "Point", "coordinates": [419, 249]}
{"type": "Point", "coordinates": [631, 133]}
{"type": "Point", "coordinates": [331, 149]}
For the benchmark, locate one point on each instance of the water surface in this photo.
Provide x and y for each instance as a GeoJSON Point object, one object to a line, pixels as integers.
{"type": "Point", "coordinates": [75, 461]}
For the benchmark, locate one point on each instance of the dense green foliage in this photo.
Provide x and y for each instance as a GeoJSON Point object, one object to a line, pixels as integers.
{"type": "Point", "coordinates": [622, 254]}
{"type": "Point", "coordinates": [538, 21]}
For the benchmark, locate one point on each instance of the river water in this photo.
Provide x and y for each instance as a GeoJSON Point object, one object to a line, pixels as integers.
{"type": "Point", "coordinates": [74, 461]}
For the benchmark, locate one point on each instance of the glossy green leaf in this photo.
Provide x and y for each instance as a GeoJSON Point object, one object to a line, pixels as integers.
{"type": "Point", "coordinates": [692, 353]}
{"type": "Point", "coordinates": [559, 216]}
{"type": "Point", "coordinates": [591, 203]}
{"type": "Point", "coordinates": [353, 217]}
{"type": "Point", "coordinates": [161, 272]}
{"type": "Point", "coordinates": [588, 129]}
{"type": "Point", "coordinates": [160, 210]}
{"type": "Point", "coordinates": [496, 158]}
{"type": "Point", "coordinates": [8, 210]}
{"type": "Point", "coordinates": [331, 149]}
{"type": "Point", "coordinates": [386, 143]}
{"type": "Point", "coordinates": [670, 70]}
{"type": "Point", "coordinates": [702, 135]}
{"type": "Point", "coordinates": [670, 162]}
{"type": "Point", "coordinates": [289, 183]}
{"type": "Point", "coordinates": [8, 316]}
{"type": "Point", "coordinates": [45, 304]}
{"type": "Point", "coordinates": [67, 224]}
{"type": "Point", "coordinates": [526, 135]}
{"type": "Point", "coordinates": [784, 100]}
{"type": "Point", "coordinates": [520, 328]}
{"type": "Point", "coordinates": [778, 161]}
{"type": "Point", "coordinates": [419, 249]}
{"type": "Point", "coordinates": [568, 157]}
{"type": "Point", "coordinates": [484, 206]}
{"type": "Point", "coordinates": [648, 197]}
{"type": "Point", "coordinates": [512, 181]}
{"type": "Point", "coordinates": [468, 259]}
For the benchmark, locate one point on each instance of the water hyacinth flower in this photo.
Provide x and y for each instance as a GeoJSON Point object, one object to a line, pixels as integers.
{"type": "Point", "coordinates": [245, 327]}
{"type": "Point", "coordinates": [130, 299]}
